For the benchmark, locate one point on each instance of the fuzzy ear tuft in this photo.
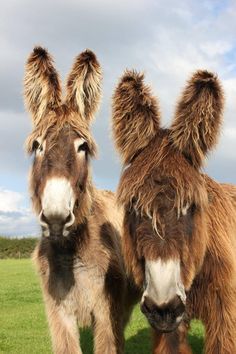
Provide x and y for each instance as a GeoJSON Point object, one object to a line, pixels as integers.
{"type": "Point", "coordinates": [198, 117]}
{"type": "Point", "coordinates": [136, 116]}
{"type": "Point", "coordinates": [42, 88]}
{"type": "Point", "coordinates": [84, 85]}
{"type": "Point", "coordinates": [40, 52]}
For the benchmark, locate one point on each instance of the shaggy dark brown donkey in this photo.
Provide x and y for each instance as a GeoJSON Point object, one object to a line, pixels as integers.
{"type": "Point", "coordinates": [79, 255]}
{"type": "Point", "coordinates": [179, 224]}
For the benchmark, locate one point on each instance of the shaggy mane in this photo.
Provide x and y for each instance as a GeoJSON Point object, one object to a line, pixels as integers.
{"type": "Point", "coordinates": [55, 122]}
{"type": "Point", "coordinates": [142, 181]}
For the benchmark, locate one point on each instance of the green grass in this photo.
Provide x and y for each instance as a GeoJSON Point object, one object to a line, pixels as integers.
{"type": "Point", "coordinates": [23, 326]}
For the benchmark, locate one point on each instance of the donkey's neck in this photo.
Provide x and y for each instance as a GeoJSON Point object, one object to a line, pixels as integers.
{"type": "Point", "coordinates": [61, 254]}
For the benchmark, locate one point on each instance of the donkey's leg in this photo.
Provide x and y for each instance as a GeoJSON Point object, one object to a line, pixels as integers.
{"type": "Point", "coordinates": [108, 331]}
{"type": "Point", "coordinates": [64, 331]}
{"type": "Point", "coordinates": [172, 343]}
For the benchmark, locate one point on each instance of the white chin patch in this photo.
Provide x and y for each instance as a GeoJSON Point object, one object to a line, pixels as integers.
{"type": "Point", "coordinates": [58, 198]}
{"type": "Point", "coordinates": [163, 281]}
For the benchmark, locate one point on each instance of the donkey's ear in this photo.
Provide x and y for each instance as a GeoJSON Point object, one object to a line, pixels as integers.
{"type": "Point", "coordinates": [198, 117]}
{"type": "Point", "coordinates": [136, 116]}
{"type": "Point", "coordinates": [84, 85]}
{"type": "Point", "coordinates": [42, 89]}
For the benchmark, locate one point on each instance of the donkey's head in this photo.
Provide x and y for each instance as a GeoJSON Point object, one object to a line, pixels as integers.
{"type": "Point", "coordinates": [163, 190]}
{"type": "Point", "coordinates": [61, 141]}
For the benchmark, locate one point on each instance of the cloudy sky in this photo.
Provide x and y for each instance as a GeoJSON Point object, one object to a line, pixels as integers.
{"type": "Point", "coordinates": [167, 39]}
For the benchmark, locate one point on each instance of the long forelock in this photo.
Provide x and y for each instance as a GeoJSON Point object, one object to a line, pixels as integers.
{"type": "Point", "coordinates": [53, 125]}
{"type": "Point", "coordinates": [141, 192]}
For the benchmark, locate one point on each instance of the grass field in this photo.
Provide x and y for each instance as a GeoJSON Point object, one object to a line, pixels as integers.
{"type": "Point", "coordinates": [23, 326]}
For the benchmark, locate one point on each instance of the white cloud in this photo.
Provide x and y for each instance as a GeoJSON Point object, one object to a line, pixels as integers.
{"type": "Point", "coordinates": [167, 39]}
{"type": "Point", "coordinates": [9, 200]}
{"type": "Point", "coordinates": [218, 47]}
{"type": "Point", "coordinates": [227, 144]}
{"type": "Point", "coordinates": [230, 133]}
{"type": "Point", "coordinates": [15, 218]}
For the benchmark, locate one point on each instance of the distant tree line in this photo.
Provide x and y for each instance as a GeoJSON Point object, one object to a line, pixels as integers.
{"type": "Point", "coordinates": [16, 247]}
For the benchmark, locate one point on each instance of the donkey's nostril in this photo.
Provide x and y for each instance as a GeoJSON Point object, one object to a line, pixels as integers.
{"type": "Point", "coordinates": [68, 218]}
{"type": "Point", "coordinates": [55, 218]}
{"type": "Point", "coordinates": [166, 317]}
{"type": "Point", "coordinates": [43, 218]}
{"type": "Point", "coordinates": [44, 223]}
{"type": "Point", "coordinates": [69, 222]}
{"type": "Point", "coordinates": [148, 304]}
{"type": "Point", "coordinates": [56, 224]}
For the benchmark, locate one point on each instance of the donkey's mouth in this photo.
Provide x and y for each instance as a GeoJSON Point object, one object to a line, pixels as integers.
{"type": "Point", "coordinates": [162, 319]}
{"type": "Point", "coordinates": [163, 328]}
{"type": "Point", "coordinates": [55, 226]}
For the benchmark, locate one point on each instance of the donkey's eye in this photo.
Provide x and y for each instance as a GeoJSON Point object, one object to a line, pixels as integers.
{"type": "Point", "coordinates": [37, 146]}
{"type": "Point", "coordinates": [83, 147]}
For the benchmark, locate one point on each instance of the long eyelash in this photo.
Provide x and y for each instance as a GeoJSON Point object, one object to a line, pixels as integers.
{"type": "Point", "coordinates": [36, 145]}
{"type": "Point", "coordinates": [83, 147]}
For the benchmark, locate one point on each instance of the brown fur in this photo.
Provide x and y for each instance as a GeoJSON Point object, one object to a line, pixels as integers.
{"type": "Point", "coordinates": [42, 85]}
{"type": "Point", "coordinates": [61, 129]}
{"type": "Point", "coordinates": [162, 180]}
{"type": "Point", "coordinates": [83, 275]}
{"type": "Point", "coordinates": [83, 279]}
{"type": "Point", "coordinates": [198, 117]}
{"type": "Point", "coordinates": [135, 115]}
{"type": "Point", "coordinates": [84, 85]}
{"type": "Point", "coordinates": [174, 342]}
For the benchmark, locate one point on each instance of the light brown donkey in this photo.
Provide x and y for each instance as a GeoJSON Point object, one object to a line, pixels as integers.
{"type": "Point", "coordinates": [79, 255]}
{"type": "Point", "coordinates": [179, 224]}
